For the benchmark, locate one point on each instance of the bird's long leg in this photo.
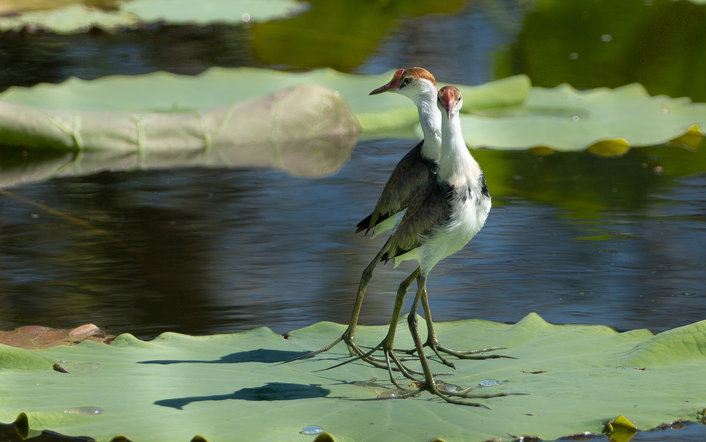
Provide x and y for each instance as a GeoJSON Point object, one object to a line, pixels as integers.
{"type": "Point", "coordinates": [429, 382]}
{"type": "Point", "coordinates": [387, 344]}
{"type": "Point", "coordinates": [433, 341]}
{"type": "Point", "coordinates": [412, 319]}
{"type": "Point", "coordinates": [348, 336]}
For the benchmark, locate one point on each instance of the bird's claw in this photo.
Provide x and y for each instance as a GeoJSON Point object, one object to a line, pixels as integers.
{"type": "Point", "coordinates": [448, 392]}
{"type": "Point", "coordinates": [460, 354]}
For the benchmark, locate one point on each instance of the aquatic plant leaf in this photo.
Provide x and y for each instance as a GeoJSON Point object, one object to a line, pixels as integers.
{"type": "Point", "coordinates": [576, 378]}
{"type": "Point", "coordinates": [305, 130]}
{"type": "Point", "coordinates": [503, 114]}
{"type": "Point", "coordinates": [166, 92]}
{"type": "Point", "coordinates": [163, 119]}
{"type": "Point", "coordinates": [620, 429]}
{"type": "Point", "coordinates": [604, 120]}
{"type": "Point", "coordinates": [72, 18]}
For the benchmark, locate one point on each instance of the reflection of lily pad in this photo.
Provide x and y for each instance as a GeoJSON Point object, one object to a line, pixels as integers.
{"type": "Point", "coordinates": [576, 378]}
{"type": "Point", "coordinates": [77, 17]}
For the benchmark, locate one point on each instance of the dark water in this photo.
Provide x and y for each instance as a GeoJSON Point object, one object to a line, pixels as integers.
{"type": "Point", "coordinates": [212, 251]}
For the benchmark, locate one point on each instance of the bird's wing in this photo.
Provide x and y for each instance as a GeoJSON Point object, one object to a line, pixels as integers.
{"type": "Point", "coordinates": [411, 172]}
{"type": "Point", "coordinates": [430, 208]}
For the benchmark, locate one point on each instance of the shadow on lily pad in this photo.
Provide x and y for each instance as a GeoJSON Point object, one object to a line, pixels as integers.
{"type": "Point", "coordinates": [259, 355]}
{"type": "Point", "coordinates": [272, 391]}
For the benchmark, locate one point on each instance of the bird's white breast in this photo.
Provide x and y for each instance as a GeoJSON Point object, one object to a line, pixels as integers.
{"type": "Point", "coordinates": [465, 221]}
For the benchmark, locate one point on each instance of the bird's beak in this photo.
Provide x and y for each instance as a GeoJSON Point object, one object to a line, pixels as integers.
{"type": "Point", "coordinates": [448, 108]}
{"type": "Point", "coordinates": [391, 85]}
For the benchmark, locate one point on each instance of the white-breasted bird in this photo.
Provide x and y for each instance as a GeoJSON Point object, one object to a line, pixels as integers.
{"type": "Point", "coordinates": [440, 220]}
{"type": "Point", "coordinates": [413, 172]}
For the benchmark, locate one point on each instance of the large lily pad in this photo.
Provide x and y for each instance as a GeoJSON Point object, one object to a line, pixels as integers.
{"type": "Point", "coordinates": [227, 387]}
{"type": "Point", "coordinates": [306, 130]}
{"type": "Point", "coordinates": [166, 92]}
{"type": "Point", "coordinates": [79, 17]}
{"type": "Point", "coordinates": [504, 114]}
{"type": "Point", "coordinates": [566, 119]}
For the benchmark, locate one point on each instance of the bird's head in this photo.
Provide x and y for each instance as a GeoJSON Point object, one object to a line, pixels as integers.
{"type": "Point", "coordinates": [449, 101]}
{"type": "Point", "coordinates": [414, 83]}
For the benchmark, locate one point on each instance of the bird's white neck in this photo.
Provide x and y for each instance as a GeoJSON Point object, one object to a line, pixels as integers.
{"type": "Point", "coordinates": [430, 120]}
{"type": "Point", "coordinates": [456, 164]}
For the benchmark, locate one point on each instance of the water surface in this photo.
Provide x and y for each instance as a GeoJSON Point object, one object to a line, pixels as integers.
{"type": "Point", "coordinates": [216, 250]}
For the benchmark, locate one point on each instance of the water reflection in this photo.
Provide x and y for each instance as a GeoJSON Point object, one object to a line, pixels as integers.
{"type": "Point", "coordinates": [574, 237]}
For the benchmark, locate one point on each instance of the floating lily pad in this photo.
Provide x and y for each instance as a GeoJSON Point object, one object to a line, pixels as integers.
{"type": "Point", "coordinates": [162, 119]}
{"type": "Point", "coordinates": [305, 130]}
{"type": "Point", "coordinates": [607, 120]}
{"type": "Point", "coordinates": [576, 379]}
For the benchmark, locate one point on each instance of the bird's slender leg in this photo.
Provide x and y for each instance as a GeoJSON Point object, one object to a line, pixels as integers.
{"type": "Point", "coordinates": [430, 384]}
{"type": "Point", "coordinates": [433, 341]}
{"type": "Point", "coordinates": [412, 320]}
{"type": "Point", "coordinates": [348, 336]}
{"type": "Point", "coordinates": [386, 345]}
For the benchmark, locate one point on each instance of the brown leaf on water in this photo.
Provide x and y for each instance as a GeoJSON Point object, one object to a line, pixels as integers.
{"type": "Point", "coordinates": [37, 336]}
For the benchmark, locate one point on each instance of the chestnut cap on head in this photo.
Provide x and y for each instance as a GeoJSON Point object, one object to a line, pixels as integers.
{"type": "Point", "coordinates": [404, 77]}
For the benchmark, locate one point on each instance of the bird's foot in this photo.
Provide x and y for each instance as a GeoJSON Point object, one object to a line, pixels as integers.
{"type": "Point", "coordinates": [450, 393]}
{"type": "Point", "coordinates": [387, 361]}
{"type": "Point", "coordinates": [359, 353]}
{"type": "Point", "coordinates": [459, 396]}
{"type": "Point", "coordinates": [460, 354]}
{"type": "Point", "coordinates": [346, 337]}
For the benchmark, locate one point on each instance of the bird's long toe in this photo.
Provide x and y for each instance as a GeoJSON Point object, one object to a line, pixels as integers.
{"type": "Point", "coordinates": [479, 354]}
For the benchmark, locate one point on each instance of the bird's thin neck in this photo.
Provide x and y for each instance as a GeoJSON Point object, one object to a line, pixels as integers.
{"type": "Point", "coordinates": [430, 120]}
{"type": "Point", "coordinates": [456, 164]}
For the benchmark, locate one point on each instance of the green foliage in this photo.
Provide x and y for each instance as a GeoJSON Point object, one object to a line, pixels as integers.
{"type": "Point", "coordinates": [660, 43]}
{"type": "Point", "coordinates": [576, 378]}
{"type": "Point", "coordinates": [344, 33]}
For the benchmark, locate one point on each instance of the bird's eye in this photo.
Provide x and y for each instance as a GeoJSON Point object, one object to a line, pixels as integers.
{"type": "Point", "coordinates": [405, 81]}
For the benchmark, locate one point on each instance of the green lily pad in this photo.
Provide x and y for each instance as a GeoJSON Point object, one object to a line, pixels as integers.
{"type": "Point", "coordinates": [222, 117]}
{"type": "Point", "coordinates": [576, 378]}
{"type": "Point", "coordinates": [79, 18]}
{"type": "Point", "coordinates": [149, 120]}
{"type": "Point", "coordinates": [566, 119]}
{"type": "Point", "coordinates": [306, 130]}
